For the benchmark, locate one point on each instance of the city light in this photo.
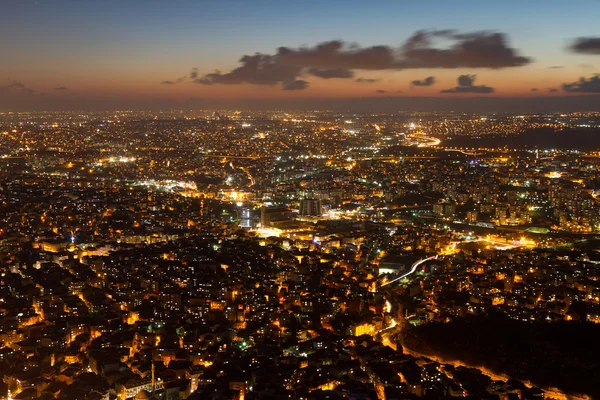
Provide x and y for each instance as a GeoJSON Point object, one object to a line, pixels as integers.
{"type": "Point", "coordinates": [146, 243]}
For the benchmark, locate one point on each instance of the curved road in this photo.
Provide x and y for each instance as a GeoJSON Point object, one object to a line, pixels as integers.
{"type": "Point", "coordinates": [412, 270]}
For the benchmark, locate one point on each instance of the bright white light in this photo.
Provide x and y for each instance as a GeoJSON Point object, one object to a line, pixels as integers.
{"type": "Point", "coordinates": [266, 232]}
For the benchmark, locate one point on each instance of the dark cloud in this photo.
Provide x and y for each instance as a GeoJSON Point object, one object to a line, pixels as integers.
{"type": "Point", "coordinates": [586, 45]}
{"type": "Point", "coordinates": [338, 54]}
{"type": "Point", "coordinates": [466, 84]}
{"type": "Point", "coordinates": [472, 50]}
{"type": "Point", "coordinates": [338, 59]}
{"type": "Point", "coordinates": [556, 67]}
{"type": "Point", "coordinates": [296, 85]}
{"type": "Point", "coordinates": [331, 73]}
{"type": "Point", "coordinates": [366, 80]}
{"type": "Point", "coordinates": [552, 90]}
{"type": "Point", "coordinates": [59, 87]}
{"type": "Point", "coordinates": [178, 80]}
{"type": "Point", "coordinates": [430, 80]}
{"type": "Point", "coordinates": [259, 69]}
{"type": "Point", "coordinates": [15, 87]}
{"type": "Point", "coordinates": [466, 80]}
{"type": "Point", "coordinates": [534, 90]}
{"type": "Point", "coordinates": [583, 85]}
{"type": "Point", "coordinates": [381, 91]}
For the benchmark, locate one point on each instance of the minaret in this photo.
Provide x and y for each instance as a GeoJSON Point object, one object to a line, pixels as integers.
{"type": "Point", "coordinates": [153, 381]}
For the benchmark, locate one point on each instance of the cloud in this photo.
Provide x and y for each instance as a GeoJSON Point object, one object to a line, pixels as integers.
{"type": "Point", "coordinates": [15, 87]}
{"type": "Point", "coordinates": [466, 80]}
{"type": "Point", "coordinates": [466, 85]}
{"type": "Point", "coordinates": [331, 73]}
{"type": "Point", "coordinates": [296, 85]}
{"type": "Point", "coordinates": [59, 87]}
{"type": "Point", "coordinates": [366, 80]}
{"type": "Point", "coordinates": [534, 90]}
{"type": "Point", "coordinates": [259, 69]}
{"type": "Point", "coordinates": [338, 54]}
{"type": "Point", "coordinates": [339, 59]}
{"type": "Point", "coordinates": [381, 91]}
{"type": "Point", "coordinates": [556, 67]}
{"type": "Point", "coordinates": [472, 50]}
{"type": "Point", "coordinates": [430, 80]}
{"type": "Point", "coordinates": [552, 90]}
{"type": "Point", "coordinates": [586, 45]}
{"type": "Point", "coordinates": [583, 85]}
{"type": "Point", "coordinates": [180, 79]}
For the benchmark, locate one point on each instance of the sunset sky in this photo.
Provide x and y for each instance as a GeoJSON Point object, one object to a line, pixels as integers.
{"type": "Point", "coordinates": [84, 52]}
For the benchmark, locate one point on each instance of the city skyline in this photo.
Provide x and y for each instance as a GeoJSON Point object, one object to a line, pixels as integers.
{"type": "Point", "coordinates": [86, 55]}
{"type": "Point", "coordinates": [173, 255]}
{"type": "Point", "coordinates": [317, 200]}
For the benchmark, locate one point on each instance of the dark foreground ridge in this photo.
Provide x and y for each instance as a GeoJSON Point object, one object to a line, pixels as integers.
{"type": "Point", "coordinates": [562, 355]}
{"type": "Point", "coordinates": [542, 138]}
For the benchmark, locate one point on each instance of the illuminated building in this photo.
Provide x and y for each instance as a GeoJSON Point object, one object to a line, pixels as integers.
{"type": "Point", "coordinates": [275, 216]}
{"type": "Point", "coordinates": [246, 217]}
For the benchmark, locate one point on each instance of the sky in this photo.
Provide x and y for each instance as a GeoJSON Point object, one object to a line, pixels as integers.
{"type": "Point", "coordinates": [72, 54]}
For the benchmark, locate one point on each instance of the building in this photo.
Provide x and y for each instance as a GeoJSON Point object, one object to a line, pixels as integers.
{"type": "Point", "coordinates": [362, 329]}
{"type": "Point", "coordinates": [275, 216]}
{"type": "Point", "coordinates": [245, 217]}
{"type": "Point", "coordinates": [444, 209]}
{"type": "Point", "coordinates": [311, 207]}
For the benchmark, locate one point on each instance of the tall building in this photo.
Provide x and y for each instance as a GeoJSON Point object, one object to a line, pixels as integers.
{"type": "Point", "coordinates": [445, 209]}
{"type": "Point", "coordinates": [311, 207]}
{"type": "Point", "coordinates": [246, 218]}
{"type": "Point", "coordinates": [472, 216]}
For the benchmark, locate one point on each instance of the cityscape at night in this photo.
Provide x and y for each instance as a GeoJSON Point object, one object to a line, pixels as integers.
{"type": "Point", "coordinates": [273, 201]}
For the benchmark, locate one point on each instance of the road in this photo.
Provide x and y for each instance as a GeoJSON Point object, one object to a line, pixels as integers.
{"type": "Point", "coordinates": [412, 270]}
{"type": "Point", "coordinates": [427, 141]}
{"type": "Point", "coordinates": [468, 153]}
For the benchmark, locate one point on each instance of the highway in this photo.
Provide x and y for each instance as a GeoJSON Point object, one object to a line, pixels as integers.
{"type": "Point", "coordinates": [412, 269]}
{"type": "Point", "coordinates": [493, 241]}
{"type": "Point", "coordinates": [426, 141]}
{"type": "Point", "coordinates": [473, 153]}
